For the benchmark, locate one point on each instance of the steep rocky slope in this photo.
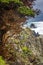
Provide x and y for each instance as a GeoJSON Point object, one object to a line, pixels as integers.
{"type": "Point", "coordinates": [18, 46]}
{"type": "Point", "coordinates": [23, 48]}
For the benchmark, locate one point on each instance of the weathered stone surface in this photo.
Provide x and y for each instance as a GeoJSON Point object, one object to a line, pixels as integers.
{"type": "Point", "coordinates": [23, 47]}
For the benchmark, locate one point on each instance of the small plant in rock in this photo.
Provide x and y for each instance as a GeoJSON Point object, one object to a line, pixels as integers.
{"type": "Point", "coordinates": [26, 50]}
{"type": "Point", "coordinates": [2, 61]}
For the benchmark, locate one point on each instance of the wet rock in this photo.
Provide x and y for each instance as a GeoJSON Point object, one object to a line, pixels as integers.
{"type": "Point", "coordinates": [36, 34]}
{"type": "Point", "coordinates": [32, 26]}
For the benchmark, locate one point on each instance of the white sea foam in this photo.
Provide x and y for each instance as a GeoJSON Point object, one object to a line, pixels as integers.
{"type": "Point", "coordinates": [39, 27]}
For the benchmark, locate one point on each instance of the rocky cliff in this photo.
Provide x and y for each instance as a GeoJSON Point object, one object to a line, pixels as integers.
{"type": "Point", "coordinates": [23, 48]}
{"type": "Point", "coordinates": [18, 46]}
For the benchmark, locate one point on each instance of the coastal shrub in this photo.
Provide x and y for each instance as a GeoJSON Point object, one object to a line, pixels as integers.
{"type": "Point", "coordinates": [15, 1]}
{"type": "Point", "coordinates": [22, 9]}
{"type": "Point", "coordinates": [26, 11]}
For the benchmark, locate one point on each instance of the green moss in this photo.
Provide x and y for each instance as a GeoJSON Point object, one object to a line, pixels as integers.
{"type": "Point", "coordinates": [2, 62]}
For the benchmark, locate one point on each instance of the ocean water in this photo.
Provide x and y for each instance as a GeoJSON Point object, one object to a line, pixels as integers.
{"type": "Point", "coordinates": [38, 20]}
{"type": "Point", "coordinates": [39, 27]}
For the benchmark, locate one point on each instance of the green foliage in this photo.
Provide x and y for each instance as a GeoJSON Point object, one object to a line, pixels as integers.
{"type": "Point", "coordinates": [22, 9]}
{"type": "Point", "coordinates": [26, 50]}
{"type": "Point", "coordinates": [7, 1]}
{"type": "Point", "coordinates": [26, 11]}
{"type": "Point", "coordinates": [2, 62]}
